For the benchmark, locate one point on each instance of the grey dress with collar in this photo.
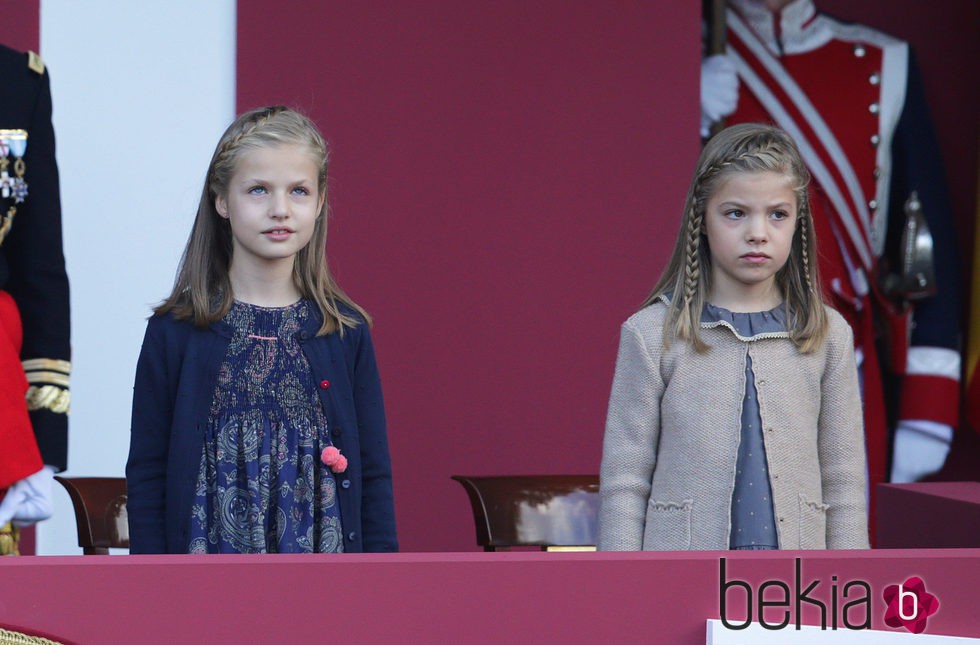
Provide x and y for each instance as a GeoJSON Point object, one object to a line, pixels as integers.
{"type": "Point", "coordinates": [753, 518]}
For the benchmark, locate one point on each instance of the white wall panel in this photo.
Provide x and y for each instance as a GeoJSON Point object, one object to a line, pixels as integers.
{"type": "Point", "coordinates": [141, 91]}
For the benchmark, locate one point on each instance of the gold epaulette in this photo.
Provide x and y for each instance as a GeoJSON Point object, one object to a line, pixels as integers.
{"type": "Point", "coordinates": [35, 63]}
{"type": "Point", "coordinates": [48, 381]}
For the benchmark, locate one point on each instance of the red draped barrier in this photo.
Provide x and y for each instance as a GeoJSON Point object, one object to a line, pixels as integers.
{"type": "Point", "coordinates": [472, 597]}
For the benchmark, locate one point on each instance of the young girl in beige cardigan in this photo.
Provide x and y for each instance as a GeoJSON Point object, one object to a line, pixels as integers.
{"type": "Point", "coordinates": [735, 415]}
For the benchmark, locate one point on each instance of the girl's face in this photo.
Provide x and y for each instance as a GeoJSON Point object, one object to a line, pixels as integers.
{"type": "Point", "coordinates": [749, 222]}
{"type": "Point", "coordinates": [272, 204]}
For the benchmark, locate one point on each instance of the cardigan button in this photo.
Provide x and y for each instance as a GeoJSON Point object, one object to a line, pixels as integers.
{"type": "Point", "coordinates": [324, 384]}
{"type": "Point", "coordinates": [345, 483]}
{"type": "Point", "coordinates": [337, 431]}
{"type": "Point", "coordinates": [351, 536]}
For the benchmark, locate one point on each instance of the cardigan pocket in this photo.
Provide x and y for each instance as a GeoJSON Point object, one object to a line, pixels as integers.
{"type": "Point", "coordinates": [813, 524]}
{"type": "Point", "coordinates": [668, 526]}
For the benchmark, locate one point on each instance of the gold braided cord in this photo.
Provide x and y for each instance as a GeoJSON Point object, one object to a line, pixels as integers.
{"type": "Point", "coordinates": [52, 378]}
{"type": "Point", "coordinates": [8, 637]}
{"type": "Point", "coordinates": [48, 397]}
{"type": "Point", "coordinates": [49, 364]}
{"type": "Point", "coordinates": [6, 222]}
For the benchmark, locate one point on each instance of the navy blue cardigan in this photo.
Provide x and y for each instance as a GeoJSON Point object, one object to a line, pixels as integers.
{"type": "Point", "coordinates": [175, 381]}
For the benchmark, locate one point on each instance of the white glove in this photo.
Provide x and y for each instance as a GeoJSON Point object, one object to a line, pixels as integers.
{"type": "Point", "coordinates": [719, 90]}
{"type": "Point", "coordinates": [29, 500]}
{"type": "Point", "coordinates": [920, 449]}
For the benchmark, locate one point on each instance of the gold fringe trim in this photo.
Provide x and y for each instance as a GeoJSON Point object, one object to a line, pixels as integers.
{"type": "Point", "coordinates": [9, 541]}
{"type": "Point", "coordinates": [8, 637]}
{"type": "Point", "coordinates": [7, 221]}
{"type": "Point", "coordinates": [52, 364]}
{"type": "Point", "coordinates": [53, 378]}
{"type": "Point", "coordinates": [48, 397]}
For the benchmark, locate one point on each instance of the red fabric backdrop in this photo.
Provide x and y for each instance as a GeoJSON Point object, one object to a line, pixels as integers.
{"type": "Point", "coordinates": [21, 24]}
{"type": "Point", "coordinates": [506, 183]}
{"type": "Point", "coordinates": [506, 179]}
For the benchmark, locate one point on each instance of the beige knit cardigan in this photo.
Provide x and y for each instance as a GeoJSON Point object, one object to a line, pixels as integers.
{"type": "Point", "coordinates": [673, 428]}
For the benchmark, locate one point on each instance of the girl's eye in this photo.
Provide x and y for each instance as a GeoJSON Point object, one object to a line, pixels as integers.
{"type": "Point", "coordinates": [734, 213]}
{"type": "Point", "coordinates": [257, 190]}
{"type": "Point", "coordinates": [300, 190]}
{"type": "Point", "coordinates": [779, 215]}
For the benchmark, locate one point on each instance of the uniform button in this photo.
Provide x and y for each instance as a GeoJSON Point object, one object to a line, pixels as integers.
{"type": "Point", "coordinates": [769, 429]}
{"type": "Point", "coordinates": [337, 431]}
{"type": "Point", "coordinates": [873, 204]}
{"type": "Point", "coordinates": [875, 78]}
{"type": "Point", "coordinates": [775, 476]}
{"type": "Point", "coordinates": [345, 483]}
{"type": "Point", "coordinates": [324, 384]}
{"type": "Point", "coordinates": [859, 51]}
{"type": "Point", "coordinates": [304, 335]}
{"type": "Point", "coordinates": [351, 536]}
{"type": "Point", "coordinates": [762, 381]}
{"type": "Point", "coordinates": [781, 519]}
{"type": "Point", "coordinates": [877, 172]}
{"type": "Point", "coordinates": [874, 108]}
{"type": "Point", "coordinates": [875, 140]}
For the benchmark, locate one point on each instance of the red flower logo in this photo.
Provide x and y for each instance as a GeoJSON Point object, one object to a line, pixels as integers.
{"type": "Point", "coordinates": [909, 605]}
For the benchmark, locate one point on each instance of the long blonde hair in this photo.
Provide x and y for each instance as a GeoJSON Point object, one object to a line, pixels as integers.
{"type": "Point", "coordinates": [202, 290]}
{"type": "Point", "coordinates": [748, 147]}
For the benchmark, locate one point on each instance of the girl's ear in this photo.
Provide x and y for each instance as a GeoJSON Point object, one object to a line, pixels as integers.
{"type": "Point", "coordinates": [221, 205]}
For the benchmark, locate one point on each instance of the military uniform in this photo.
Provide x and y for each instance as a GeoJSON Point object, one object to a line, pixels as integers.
{"type": "Point", "coordinates": [851, 98]}
{"type": "Point", "coordinates": [33, 281]}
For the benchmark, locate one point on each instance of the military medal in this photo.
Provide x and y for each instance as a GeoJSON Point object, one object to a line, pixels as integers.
{"type": "Point", "coordinates": [12, 142]}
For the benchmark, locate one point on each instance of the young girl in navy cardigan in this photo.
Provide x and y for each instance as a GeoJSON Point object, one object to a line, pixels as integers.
{"type": "Point", "coordinates": [258, 422]}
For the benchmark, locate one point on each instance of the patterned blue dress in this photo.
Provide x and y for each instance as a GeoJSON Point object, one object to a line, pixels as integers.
{"type": "Point", "coordinates": [753, 519]}
{"type": "Point", "coordinates": [261, 486]}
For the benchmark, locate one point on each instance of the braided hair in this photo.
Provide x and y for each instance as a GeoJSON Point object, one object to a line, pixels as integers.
{"type": "Point", "coordinates": [202, 291]}
{"type": "Point", "coordinates": [685, 283]}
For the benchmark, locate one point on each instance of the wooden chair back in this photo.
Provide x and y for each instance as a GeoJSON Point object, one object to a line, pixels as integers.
{"type": "Point", "coordinates": [100, 512]}
{"type": "Point", "coordinates": [553, 512]}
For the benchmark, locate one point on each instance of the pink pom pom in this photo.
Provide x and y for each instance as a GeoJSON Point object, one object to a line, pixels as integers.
{"type": "Point", "coordinates": [329, 455]}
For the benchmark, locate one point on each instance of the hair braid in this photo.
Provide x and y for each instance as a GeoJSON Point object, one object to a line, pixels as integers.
{"type": "Point", "coordinates": [805, 255]}
{"type": "Point", "coordinates": [692, 269]}
{"type": "Point", "coordinates": [232, 144]}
